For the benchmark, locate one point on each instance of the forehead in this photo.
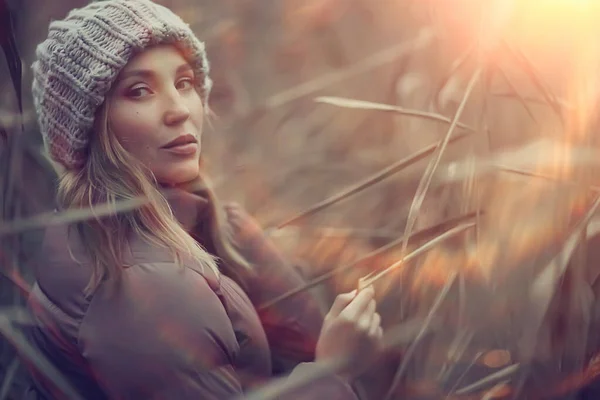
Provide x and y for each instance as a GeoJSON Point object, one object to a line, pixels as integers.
{"type": "Point", "coordinates": [162, 56]}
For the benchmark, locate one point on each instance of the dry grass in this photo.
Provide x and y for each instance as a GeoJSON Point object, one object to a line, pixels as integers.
{"type": "Point", "coordinates": [369, 139]}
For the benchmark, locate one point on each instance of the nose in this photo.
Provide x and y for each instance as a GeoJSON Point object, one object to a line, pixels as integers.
{"type": "Point", "coordinates": [176, 109]}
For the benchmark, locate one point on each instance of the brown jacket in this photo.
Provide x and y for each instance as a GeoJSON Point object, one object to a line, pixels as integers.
{"type": "Point", "coordinates": [172, 333]}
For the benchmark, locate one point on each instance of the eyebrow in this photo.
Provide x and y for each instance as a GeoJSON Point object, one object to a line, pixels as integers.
{"type": "Point", "coordinates": [148, 73]}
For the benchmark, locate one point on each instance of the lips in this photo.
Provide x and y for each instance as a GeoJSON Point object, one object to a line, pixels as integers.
{"type": "Point", "coordinates": [181, 141]}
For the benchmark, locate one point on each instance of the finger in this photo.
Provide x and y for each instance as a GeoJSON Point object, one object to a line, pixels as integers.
{"type": "Point", "coordinates": [358, 305]}
{"type": "Point", "coordinates": [233, 215]}
{"type": "Point", "coordinates": [375, 325]}
{"type": "Point", "coordinates": [234, 210]}
{"type": "Point", "coordinates": [232, 205]}
{"type": "Point", "coordinates": [379, 336]}
{"type": "Point", "coordinates": [340, 302]}
{"type": "Point", "coordinates": [366, 319]}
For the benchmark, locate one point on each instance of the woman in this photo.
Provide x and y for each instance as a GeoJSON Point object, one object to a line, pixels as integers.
{"type": "Point", "coordinates": [159, 302]}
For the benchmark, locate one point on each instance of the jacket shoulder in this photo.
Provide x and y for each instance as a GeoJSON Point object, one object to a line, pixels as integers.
{"type": "Point", "coordinates": [162, 320]}
{"type": "Point", "coordinates": [155, 304]}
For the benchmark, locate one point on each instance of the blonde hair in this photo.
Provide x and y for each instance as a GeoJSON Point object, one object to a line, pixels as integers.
{"type": "Point", "coordinates": [111, 175]}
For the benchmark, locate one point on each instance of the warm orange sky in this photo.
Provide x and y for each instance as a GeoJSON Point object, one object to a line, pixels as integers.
{"type": "Point", "coordinates": [548, 23]}
{"type": "Point", "coordinates": [544, 24]}
{"type": "Point", "coordinates": [562, 37]}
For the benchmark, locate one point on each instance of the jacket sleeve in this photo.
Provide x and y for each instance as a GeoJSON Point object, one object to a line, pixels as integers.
{"type": "Point", "coordinates": [165, 335]}
{"type": "Point", "coordinates": [292, 325]}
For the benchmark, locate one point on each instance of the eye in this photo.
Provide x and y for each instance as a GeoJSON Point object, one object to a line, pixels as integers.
{"type": "Point", "coordinates": [138, 92]}
{"type": "Point", "coordinates": [185, 83]}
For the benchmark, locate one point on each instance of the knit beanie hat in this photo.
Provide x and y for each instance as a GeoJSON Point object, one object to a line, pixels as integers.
{"type": "Point", "coordinates": [81, 58]}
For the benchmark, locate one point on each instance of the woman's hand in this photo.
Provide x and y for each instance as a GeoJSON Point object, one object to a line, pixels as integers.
{"type": "Point", "coordinates": [351, 333]}
{"type": "Point", "coordinates": [245, 228]}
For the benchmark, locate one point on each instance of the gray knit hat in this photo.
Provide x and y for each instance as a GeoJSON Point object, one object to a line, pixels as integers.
{"type": "Point", "coordinates": [81, 58]}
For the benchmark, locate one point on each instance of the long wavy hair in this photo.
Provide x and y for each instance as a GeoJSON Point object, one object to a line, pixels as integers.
{"type": "Point", "coordinates": [111, 175]}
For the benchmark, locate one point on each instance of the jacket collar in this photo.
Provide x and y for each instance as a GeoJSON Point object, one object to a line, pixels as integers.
{"type": "Point", "coordinates": [189, 205]}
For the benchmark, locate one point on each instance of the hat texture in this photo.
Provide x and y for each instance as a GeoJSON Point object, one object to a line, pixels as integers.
{"type": "Point", "coordinates": [77, 64]}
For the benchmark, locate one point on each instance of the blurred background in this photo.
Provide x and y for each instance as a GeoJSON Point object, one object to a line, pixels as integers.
{"type": "Point", "coordinates": [345, 126]}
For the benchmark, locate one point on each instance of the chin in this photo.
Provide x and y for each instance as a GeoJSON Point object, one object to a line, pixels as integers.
{"type": "Point", "coordinates": [178, 176]}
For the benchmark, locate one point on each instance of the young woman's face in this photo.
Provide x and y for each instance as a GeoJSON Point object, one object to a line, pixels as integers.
{"type": "Point", "coordinates": [157, 114]}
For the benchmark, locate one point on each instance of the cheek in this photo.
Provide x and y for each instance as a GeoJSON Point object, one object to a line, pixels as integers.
{"type": "Point", "coordinates": [198, 121]}
{"type": "Point", "coordinates": [134, 130]}
{"type": "Point", "coordinates": [197, 115]}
